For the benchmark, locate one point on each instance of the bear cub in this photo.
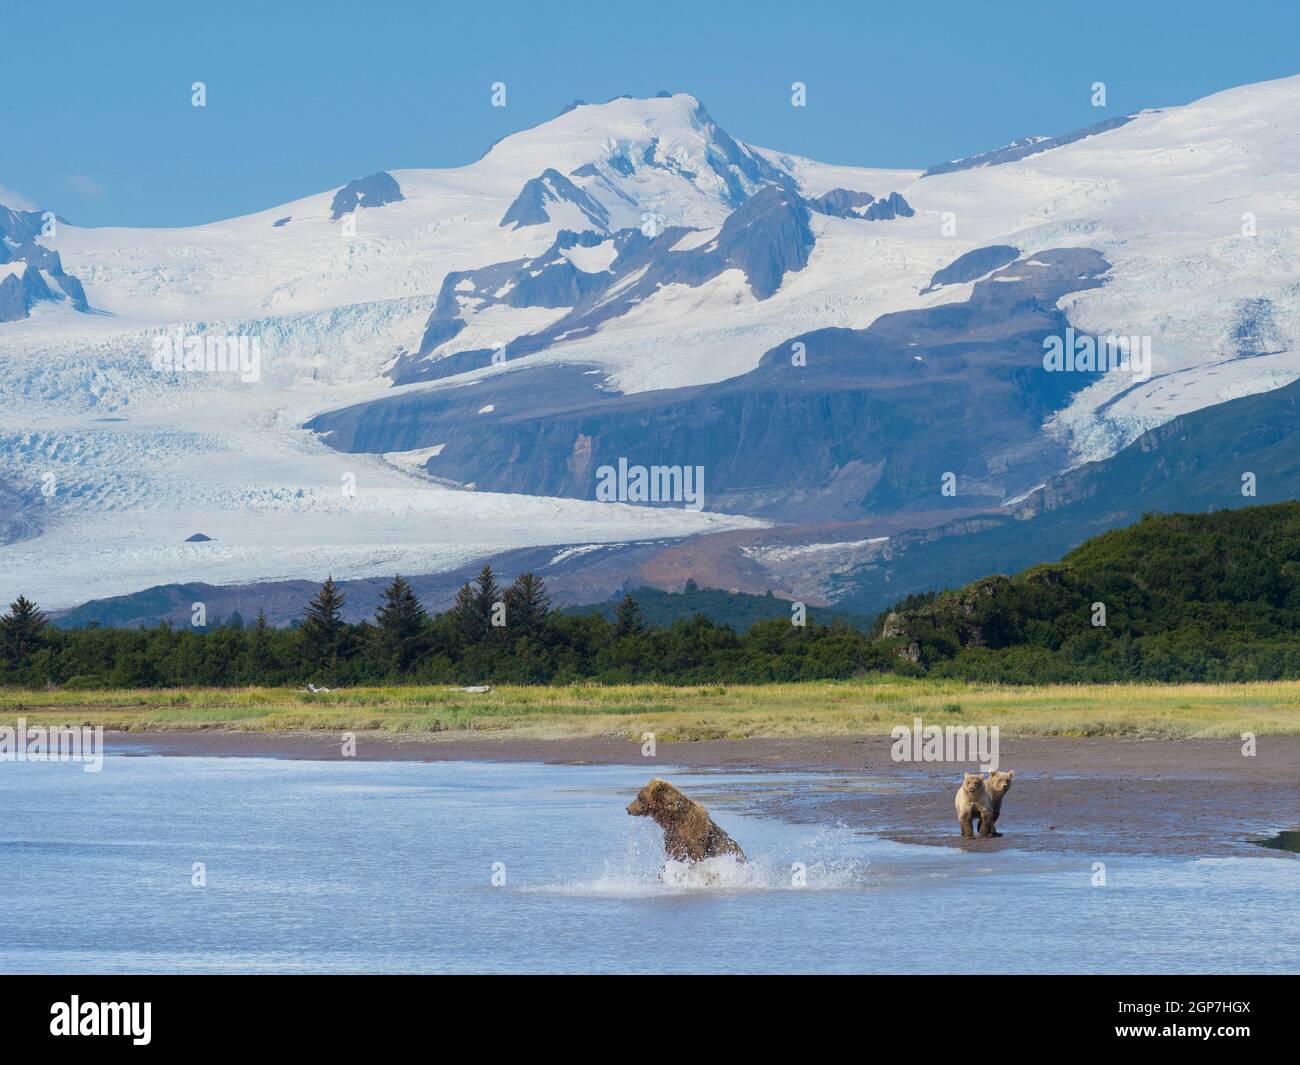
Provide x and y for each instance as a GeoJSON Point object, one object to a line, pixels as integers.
{"type": "Point", "coordinates": [979, 802]}
{"type": "Point", "coordinates": [973, 802]}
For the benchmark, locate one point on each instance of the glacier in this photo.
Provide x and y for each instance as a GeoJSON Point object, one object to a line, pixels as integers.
{"type": "Point", "coordinates": [111, 464]}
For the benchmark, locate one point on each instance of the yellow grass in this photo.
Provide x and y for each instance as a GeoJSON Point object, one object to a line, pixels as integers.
{"type": "Point", "coordinates": [829, 708]}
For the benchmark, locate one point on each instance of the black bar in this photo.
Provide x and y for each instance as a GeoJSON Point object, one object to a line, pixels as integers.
{"type": "Point", "coordinates": [978, 1012]}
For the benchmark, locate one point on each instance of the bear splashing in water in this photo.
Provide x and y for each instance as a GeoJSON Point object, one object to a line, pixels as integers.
{"type": "Point", "coordinates": [689, 833]}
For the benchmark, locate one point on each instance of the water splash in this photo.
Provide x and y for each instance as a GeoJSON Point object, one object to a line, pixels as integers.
{"type": "Point", "coordinates": [644, 872]}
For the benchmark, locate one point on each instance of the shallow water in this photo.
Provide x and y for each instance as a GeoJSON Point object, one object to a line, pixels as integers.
{"type": "Point", "coordinates": [374, 866]}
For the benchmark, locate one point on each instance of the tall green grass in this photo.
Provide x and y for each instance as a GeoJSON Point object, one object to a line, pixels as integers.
{"type": "Point", "coordinates": [823, 708]}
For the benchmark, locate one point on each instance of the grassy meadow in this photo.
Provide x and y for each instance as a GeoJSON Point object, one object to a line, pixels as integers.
{"type": "Point", "coordinates": [821, 708]}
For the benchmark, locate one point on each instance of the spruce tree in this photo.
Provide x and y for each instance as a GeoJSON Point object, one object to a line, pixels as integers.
{"type": "Point", "coordinates": [464, 617]}
{"type": "Point", "coordinates": [399, 625]}
{"type": "Point", "coordinates": [259, 649]}
{"type": "Point", "coordinates": [401, 614]}
{"type": "Point", "coordinates": [22, 631]}
{"type": "Point", "coordinates": [487, 594]}
{"type": "Point", "coordinates": [627, 617]}
{"type": "Point", "coordinates": [323, 630]}
{"type": "Point", "coordinates": [527, 605]}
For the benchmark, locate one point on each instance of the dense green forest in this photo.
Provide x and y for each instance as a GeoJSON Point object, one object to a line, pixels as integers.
{"type": "Point", "coordinates": [491, 635]}
{"type": "Point", "coordinates": [740, 610]}
{"type": "Point", "coordinates": [1174, 597]}
{"type": "Point", "coordinates": [1180, 597]}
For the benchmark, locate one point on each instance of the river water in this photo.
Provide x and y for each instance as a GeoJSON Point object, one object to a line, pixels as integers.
{"type": "Point", "coordinates": [194, 864]}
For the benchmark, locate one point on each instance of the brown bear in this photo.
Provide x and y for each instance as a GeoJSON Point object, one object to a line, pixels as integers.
{"type": "Point", "coordinates": [973, 802]}
{"type": "Point", "coordinates": [997, 786]}
{"type": "Point", "coordinates": [689, 833]}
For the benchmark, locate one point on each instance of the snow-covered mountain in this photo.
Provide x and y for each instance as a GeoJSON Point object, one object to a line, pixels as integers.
{"type": "Point", "coordinates": [626, 281]}
{"type": "Point", "coordinates": [30, 272]}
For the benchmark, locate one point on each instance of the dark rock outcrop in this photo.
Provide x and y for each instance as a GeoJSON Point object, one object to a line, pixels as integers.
{"type": "Point", "coordinates": [765, 238]}
{"type": "Point", "coordinates": [869, 425]}
{"type": "Point", "coordinates": [974, 264]}
{"type": "Point", "coordinates": [891, 207]}
{"type": "Point", "coordinates": [21, 227]}
{"type": "Point", "coordinates": [551, 279]}
{"type": "Point", "coordinates": [840, 203]}
{"type": "Point", "coordinates": [373, 191]}
{"type": "Point", "coordinates": [19, 292]}
{"type": "Point", "coordinates": [13, 299]}
{"type": "Point", "coordinates": [1026, 146]}
{"type": "Point", "coordinates": [845, 203]}
{"type": "Point", "coordinates": [18, 244]}
{"type": "Point", "coordinates": [530, 206]}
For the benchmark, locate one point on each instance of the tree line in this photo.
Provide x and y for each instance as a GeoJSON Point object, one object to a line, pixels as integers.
{"type": "Point", "coordinates": [1175, 597]}
{"type": "Point", "coordinates": [490, 634]}
{"type": "Point", "coordinates": [1172, 598]}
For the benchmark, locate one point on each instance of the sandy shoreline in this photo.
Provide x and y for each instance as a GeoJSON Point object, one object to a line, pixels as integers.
{"type": "Point", "coordinates": [1092, 796]}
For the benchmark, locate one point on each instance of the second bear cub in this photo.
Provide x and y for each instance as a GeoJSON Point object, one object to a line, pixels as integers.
{"type": "Point", "coordinates": [997, 786]}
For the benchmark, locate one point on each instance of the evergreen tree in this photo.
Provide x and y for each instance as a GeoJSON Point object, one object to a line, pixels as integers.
{"type": "Point", "coordinates": [22, 631]}
{"type": "Point", "coordinates": [399, 626]}
{"type": "Point", "coordinates": [323, 631]}
{"type": "Point", "coordinates": [259, 645]}
{"type": "Point", "coordinates": [487, 594]}
{"type": "Point", "coordinates": [401, 615]}
{"type": "Point", "coordinates": [627, 617]}
{"type": "Point", "coordinates": [527, 605]}
{"type": "Point", "coordinates": [464, 617]}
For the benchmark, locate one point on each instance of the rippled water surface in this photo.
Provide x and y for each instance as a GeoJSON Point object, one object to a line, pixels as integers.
{"type": "Point", "coordinates": [373, 866]}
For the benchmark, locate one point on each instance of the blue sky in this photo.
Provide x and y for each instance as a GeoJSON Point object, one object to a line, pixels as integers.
{"type": "Point", "coordinates": [98, 123]}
